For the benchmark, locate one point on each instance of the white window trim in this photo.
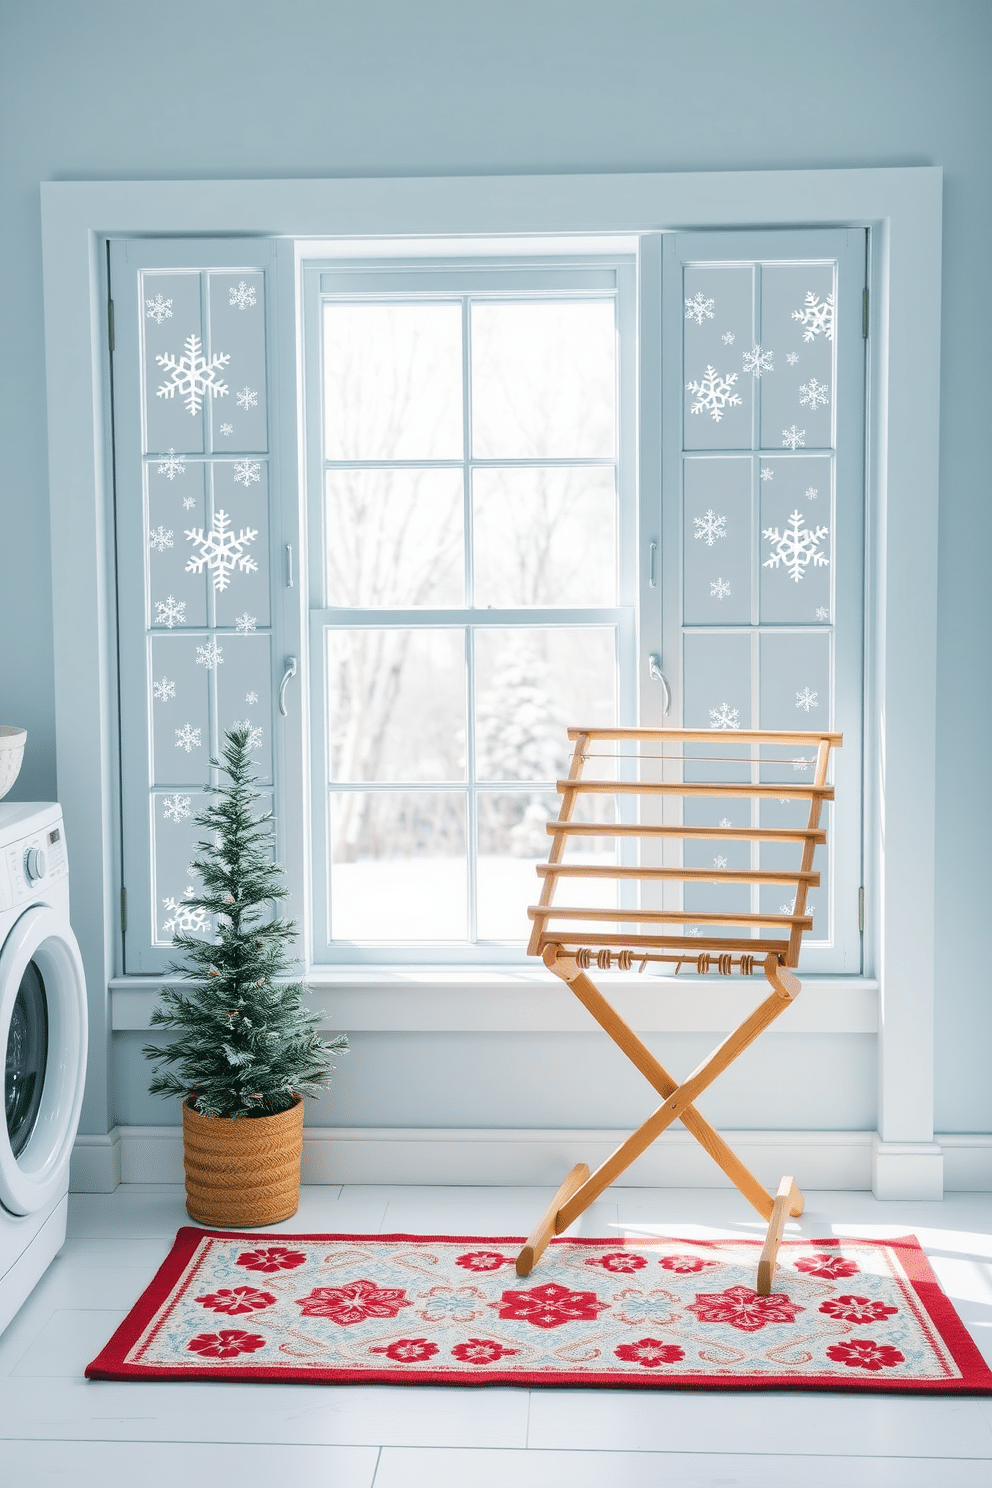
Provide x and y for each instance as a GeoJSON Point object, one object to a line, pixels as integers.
{"type": "Point", "coordinates": [901, 207]}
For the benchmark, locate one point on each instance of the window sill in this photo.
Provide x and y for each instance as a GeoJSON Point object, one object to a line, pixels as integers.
{"type": "Point", "coordinates": [529, 999]}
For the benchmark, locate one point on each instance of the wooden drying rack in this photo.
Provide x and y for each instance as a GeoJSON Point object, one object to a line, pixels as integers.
{"type": "Point", "coordinates": [641, 936]}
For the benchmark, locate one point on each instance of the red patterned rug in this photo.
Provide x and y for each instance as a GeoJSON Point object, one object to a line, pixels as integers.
{"type": "Point", "coordinates": [429, 1309]}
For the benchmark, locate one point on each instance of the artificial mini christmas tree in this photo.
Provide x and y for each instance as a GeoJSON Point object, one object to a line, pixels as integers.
{"type": "Point", "coordinates": [248, 1049]}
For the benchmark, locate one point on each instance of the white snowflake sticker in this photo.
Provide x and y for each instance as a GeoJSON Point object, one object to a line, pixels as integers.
{"type": "Point", "coordinates": [185, 920]}
{"type": "Point", "coordinates": [247, 398]}
{"type": "Point", "coordinates": [767, 473]}
{"type": "Point", "coordinates": [210, 656]}
{"type": "Point", "coordinates": [255, 734]}
{"type": "Point", "coordinates": [170, 611]}
{"type": "Point", "coordinates": [699, 308]}
{"type": "Point", "coordinates": [176, 808]}
{"type": "Point", "coordinates": [220, 551]}
{"type": "Point", "coordinates": [811, 493]}
{"type": "Point", "coordinates": [189, 502]}
{"type": "Point", "coordinates": [719, 588]}
{"type": "Point", "coordinates": [251, 697]}
{"type": "Point", "coordinates": [801, 763]}
{"type": "Point", "coordinates": [792, 357]}
{"type": "Point", "coordinates": [163, 690]}
{"type": "Point", "coordinates": [728, 338]}
{"type": "Point", "coordinates": [245, 624]}
{"type": "Point", "coordinates": [794, 438]}
{"type": "Point", "coordinates": [246, 471]}
{"type": "Point", "coordinates": [714, 393]}
{"type": "Point", "coordinates": [188, 738]}
{"type": "Point", "coordinates": [823, 613]}
{"type": "Point", "coordinates": [243, 296]}
{"type": "Point", "coordinates": [227, 430]}
{"type": "Point", "coordinates": [171, 465]}
{"type": "Point", "coordinates": [725, 717]}
{"type": "Point", "coordinates": [816, 316]}
{"type": "Point", "coordinates": [160, 539]}
{"type": "Point", "coordinates": [815, 394]}
{"type": "Point", "coordinates": [807, 699]}
{"type": "Point", "coordinates": [158, 309]}
{"type": "Point", "coordinates": [797, 547]}
{"type": "Point", "coordinates": [719, 861]}
{"type": "Point", "coordinates": [710, 527]}
{"type": "Point", "coordinates": [192, 375]}
{"type": "Point", "coordinates": [758, 361]}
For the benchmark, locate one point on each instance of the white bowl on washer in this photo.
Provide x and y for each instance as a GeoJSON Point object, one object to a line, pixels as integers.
{"type": "Point", "coordinates": [12, 742]}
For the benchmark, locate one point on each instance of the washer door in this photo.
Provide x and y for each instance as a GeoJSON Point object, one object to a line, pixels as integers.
{"type": "Point", "coordinates": [43, 1031]}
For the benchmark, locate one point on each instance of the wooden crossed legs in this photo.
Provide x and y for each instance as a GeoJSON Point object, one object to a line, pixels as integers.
{"type": "Point", "coordinates": [581, 1188]}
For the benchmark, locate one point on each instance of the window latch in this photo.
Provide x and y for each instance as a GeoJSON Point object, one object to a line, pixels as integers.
{"type": "Point", "coordinates": [657, 675]}
{"type": "Point", "coordinates": [289, 672]}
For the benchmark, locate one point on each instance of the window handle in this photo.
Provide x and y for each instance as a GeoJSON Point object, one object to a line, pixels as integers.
{"type": "Point", "coordinates": [657, 675]}
{"type": "Point", "coordinates": [289, 672]}
{"type": "Point", "coordinates": [652, 556]}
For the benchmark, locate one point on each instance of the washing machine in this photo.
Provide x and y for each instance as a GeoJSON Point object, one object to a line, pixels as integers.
{"type": "Point", "coordinates": [43, 1030]}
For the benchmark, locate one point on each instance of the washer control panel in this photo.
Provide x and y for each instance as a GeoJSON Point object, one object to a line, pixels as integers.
{"type": "Point", "coordinates": [31, 863]}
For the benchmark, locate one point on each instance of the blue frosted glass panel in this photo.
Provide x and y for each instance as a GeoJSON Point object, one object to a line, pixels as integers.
{"type": "Point", "coordinates": [797, 314]}
{"type": "Point", "coordinates": [717, 541]}
{"type": "Point", "coordinates": [174, 836]}
{"type": "Point", "coordinates": [237, 327]}
{"type": "Point", "coordinates": [244, 694]}
{"type": "Point", "coordinates": [717, 682]}
{"type": "Point", "coordinates": [176, 598]}
{"type": "Point", "coordinates": [178, 696]}
{"type": "Point", "coordinates": [795, 678]}
{"type": "Point", "coordinates": [240, 491]}
{"type": "Point", "coordinates": [797, 548]}
{"type": "Point", "coordinates": [173, 359]}
{"type": "Point", "coordinates": [717, 318]}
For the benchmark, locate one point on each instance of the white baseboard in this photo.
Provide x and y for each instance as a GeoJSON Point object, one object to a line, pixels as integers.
{"type": "Point", "coordinates": [820, 1160]}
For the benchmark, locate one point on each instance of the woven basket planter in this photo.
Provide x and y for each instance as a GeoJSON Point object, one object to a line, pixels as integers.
{"type": "Point", "coordinates": [242, 1173]}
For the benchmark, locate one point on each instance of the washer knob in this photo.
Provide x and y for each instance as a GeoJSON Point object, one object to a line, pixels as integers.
{"type": "Point", "coordinates": [34, 864]}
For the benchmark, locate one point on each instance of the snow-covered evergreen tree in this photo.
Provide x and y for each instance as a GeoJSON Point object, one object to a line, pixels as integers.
{"type": "Point", "coordinates": [247, 1045]}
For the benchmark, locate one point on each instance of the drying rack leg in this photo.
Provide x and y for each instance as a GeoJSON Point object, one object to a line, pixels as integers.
{"type": "Point", "coordinates": [537, 1240]}
{"type": "Point", "coordinates": [788, 1200]}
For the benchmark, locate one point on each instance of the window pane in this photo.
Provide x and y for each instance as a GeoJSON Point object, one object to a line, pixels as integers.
{"type": "Point", "coordinates": [513, 841]}
{"type": "Point", "coordinates": [396, 704]}
{"type": "Point", "coordinates": [394, 537]}
{"type": "Point", "coordinates": [543, 380]}
{"type": "Point", "coordinates": [545, 537]}
{"type": "Point", "coordinates": [392, 382]}
{"type": "Point", "coordinates": [398, 865]}
{"type": "Point", "coordinates": [531, 686]}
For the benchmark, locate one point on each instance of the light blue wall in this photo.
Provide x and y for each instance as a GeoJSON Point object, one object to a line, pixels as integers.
{"type": "Point", "coordinates": [130, 89]}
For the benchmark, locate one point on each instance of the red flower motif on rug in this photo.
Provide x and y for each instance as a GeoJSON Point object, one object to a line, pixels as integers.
{"type": "Point", "coordinates": [353, 1303]}
{"type": "Point", "coordinates": [742, 1308]}
{"type": "Point", "coordinates": [863, 1353]}
{"type": "Point", "coordinates": [225, 1344]}
{"type": "Point", "coordinates": [408, 1350]}
{"type": "Point", "coordinates": [830, 1266]}
{"type": "Point", "coordinates": [271, 1258]}
{"type": "Point", "coordinates": [857, 1310]}
{"type": "Point", "coordinates": [650, 1352]}
{"type": "Point", "coordinates": [483, 1260]}
{"type": "Point", "coordinates": [684, 1264]}
{"type": "Point", "coordinates": [236, 1300]}
{"type": "Point", "coordinates": [481, 1351]}
{"type": "Point", "coordinates": [550, 1306]}
{"type": "Point", "coordinates": [622, 1262]}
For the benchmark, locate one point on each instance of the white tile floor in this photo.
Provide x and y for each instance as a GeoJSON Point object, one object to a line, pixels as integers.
{"type": "Point", "coordinates": [56, 1427]}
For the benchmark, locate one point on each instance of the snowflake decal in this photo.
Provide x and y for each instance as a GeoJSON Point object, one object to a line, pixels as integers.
{"type": "Point", "coordinates": [189, 502]}
{"type": "Point", "coordinates": [807, 699]}
{"type": "Point", "coordinates": [723, 822]}
{"type": "Point", "coordinates": [794, 438]}
{"type": "Point", "coordinates": [719, 861]}
{"type": "Point", "coordinates": [192, 376]}
{"type": "Point", "coordinates": [176, 808]}
{"type": "Point", "coordinates": [713, 393]}
{"type": "Point", "coordinates": [247, 398]}
{"type": "Point", "coordinates": [767, 473]}
{"type": "Point", "coordinates": [185, 919]}
{"type": "Point", "coordinates": [811, 493]}
{"type": "Point", "coordinates": [814, 394]}
{"type": "Point", "coordinates": [801, 763]}
{"type": "Point", "coordinates": [160, 539]}
{"type": "Point", "coordinates": [792, 357]}
{"type": "Point", "coordinates": [171, 465]}
{"type": "Point", "coordinates": [246, 471]}
{"type": "Point", "coordinates": [255, 735]}
{"type": "Point", "coordinates": [188, 737]}
{"type": "Point", "coordinates": [757, 361]}
{"type": "Point", "coordinates": [728, 338]}
{"type": "Point", "coordinates": [210, 656]}
{"type": "Point", "coordinates": [245, 623]}
{"type": "Point", "coordinates": [710, 527]}
{"type": "Point", "coordinates": [797, 547]}
{"type": "Point", "coordinates": [816, 316]}
{"type": "Point", "coordinates": [719, 588]}
{"type": "Point", "coordinates": [227, 430]}
{"type": "Point", "coordinates": [251, 697]}
{"type": "Point", "coordinates": [164, 690]}
{"type": "Point", "coordinates": [243, 296]}
{"type": "Point", "coordinates": [699, 308]}
{"type": "Point", "coordinates": [823, 613]}
{"type": "Point", "coordinates": [220, 551]}
{"type": "Point", "coordinates": [725, 717]}
{"type": "Point", "coordinates": [170, 611]}
{"type": "Point", "coordinates": [158, 309]}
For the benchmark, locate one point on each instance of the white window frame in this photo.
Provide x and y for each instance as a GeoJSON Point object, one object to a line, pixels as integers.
{"type": "Point", "coordinates": [901, 207]}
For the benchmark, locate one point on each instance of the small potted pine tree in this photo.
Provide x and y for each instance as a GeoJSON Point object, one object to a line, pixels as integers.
{"type": "Point", "coordinates": [247, 1049]}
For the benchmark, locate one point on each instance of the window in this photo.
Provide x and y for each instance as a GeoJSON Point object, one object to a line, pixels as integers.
{"type": "Point", "coordinates": [538, 491]}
